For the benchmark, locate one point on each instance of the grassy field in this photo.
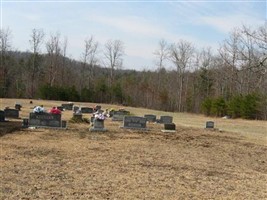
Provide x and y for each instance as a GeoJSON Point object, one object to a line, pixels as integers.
{"type": "Point", "coordinates": [193, 163]}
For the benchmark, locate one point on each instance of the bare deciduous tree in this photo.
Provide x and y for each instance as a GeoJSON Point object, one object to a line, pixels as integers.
{"type": "Point", "coordinates": [113, 53]}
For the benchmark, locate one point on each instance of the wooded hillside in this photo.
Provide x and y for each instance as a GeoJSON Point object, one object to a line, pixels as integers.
{"type": "Point", "coordinates": [229, 81]}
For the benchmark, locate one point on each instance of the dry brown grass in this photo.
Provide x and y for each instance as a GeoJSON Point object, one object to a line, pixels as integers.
{"type": "Point", "coordinates": [192, 163]}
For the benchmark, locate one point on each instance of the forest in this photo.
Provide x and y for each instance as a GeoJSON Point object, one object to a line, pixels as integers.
{"type": "Point", "coordinates": [231, 81]}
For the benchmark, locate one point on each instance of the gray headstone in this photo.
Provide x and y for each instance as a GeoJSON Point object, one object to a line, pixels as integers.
{"type": "Point", "coordinates": [165, 119]}
{"type": "Point", "coordinates": [2, 116]}
{"type": "Point", "coordinates": [170, 126]}
{"type": "Point", "coordinates": [63, 124]}
{"type": "Point", "coordinates": [133, 122]}
{"type": "Point", "coordinates": [151, 118]}
{"type": "Point", "coordinates": [11, 113]}
{"type": "Point", "coordinates": [45, 120]}
{"type": "Point", "coordinates": [98, 126]}
{"type": "Point", "coordinates": [67, 106]}
{"type": "Point", "coordinates": [119, 115]}
{"type": "Point", "coordinates": [209, 124]}
{"type": "Point", "coordinates": [87, 110]}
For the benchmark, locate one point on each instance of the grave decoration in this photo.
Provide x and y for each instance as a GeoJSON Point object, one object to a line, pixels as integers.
{"type": "Point", "coordinates": [134, 122]}
{"type": "Point", "coordinates": [75, 108]}
{"type": "Point", "coordinates": [46, 120]}
{"type": "Point", "coordinates": [151, 118]}
{"type": "Point", "coordinates": [11, 113]}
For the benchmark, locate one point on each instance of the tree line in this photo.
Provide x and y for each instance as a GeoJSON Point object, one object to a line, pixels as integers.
{"type": "Point", "coordinates": [229, 81]}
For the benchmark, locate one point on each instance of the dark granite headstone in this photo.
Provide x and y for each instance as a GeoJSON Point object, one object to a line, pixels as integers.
{"type": "Point", "coordinates": [209, 124]}
{"type": "Point", "coordinates": [67, 106]}
{"type": "Point", "coordinates": [45, 120]}
{"type": "Point", "coordinates": [2, 116]}
{"type": "Point", "coordinates": [11, 113]}
{"type": "Point", "coordinates": [87, 110]}
{"type": "Point", "coordinates": [151, 118]}
{"type": "Point", "coordinates": [25, 123]}
{"type": "Point", "coordinates": [170, 126]}
{"type": "Point", "coordinates": [133, 122]}
{"type": "Point", "coordinates": [165, 119]}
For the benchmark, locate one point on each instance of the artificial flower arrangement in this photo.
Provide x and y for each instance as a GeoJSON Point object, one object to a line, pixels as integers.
{"type": "Point", "coordinates": [100, 116]}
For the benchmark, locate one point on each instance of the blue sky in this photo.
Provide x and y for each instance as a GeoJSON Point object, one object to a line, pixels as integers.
{"type": "Point", "coordinates": [139, 24]}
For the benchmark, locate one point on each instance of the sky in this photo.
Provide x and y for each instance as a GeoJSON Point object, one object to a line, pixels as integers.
{"type": "Point", "coordinates": [140, 25]}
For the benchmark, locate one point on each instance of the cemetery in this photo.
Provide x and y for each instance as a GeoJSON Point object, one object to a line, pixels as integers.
{"type": "Point", "coordinates": [131, 152]}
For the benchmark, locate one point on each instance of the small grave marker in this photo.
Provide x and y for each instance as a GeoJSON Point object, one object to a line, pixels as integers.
{"type": "Point", "coordinates": [11, 113]}
{"type": "Point", "coordinates": [209, 124]}
{"type": "Point", "coordinates": [75, 108]}
{"type": "Point", "coordinates": [150, 118]}
{"type": "Point", "coordinates": [169, 128]}
{"type": "Point", "coordinates": [133, 122]}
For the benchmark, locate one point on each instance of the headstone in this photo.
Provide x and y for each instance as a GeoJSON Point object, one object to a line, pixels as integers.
{"type": "Point", "coordinates": [45, 120]}
{"type": "Point", "coordinates": [133, 122]}
{"type": "Point", "coordinates": [11, 113]}
{"type": "Point", "coordinates": [60, 108]}
{"type": "Point", "coordinates": [2, 116]}
{"type": "Point", "coordinates": [92, 119]}
{"type": "Point", "coordinates": [18, 106]}
{"type": "Point", "coordinates": [119, 115]}
{"type": "Point", "coordinates": [151, 118]}
{"type": "Point", "coordinates": [170, 126]}
{"type": "Point", "coordinates": [165, 119]}
{"type": "Point", "coordinates": [87, 110]}
{"type": "Point", "coordinates": [209, 124]}
{"type": "Point", "coordinates": [75, 108]}
{"type": "Point", "coordinates": [67, 106]}
{"type": "Point", "coordinates": [98, 125]}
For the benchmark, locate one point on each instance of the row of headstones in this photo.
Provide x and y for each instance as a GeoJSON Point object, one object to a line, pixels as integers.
{"type": "Point", "coordinates": [85, 110]}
